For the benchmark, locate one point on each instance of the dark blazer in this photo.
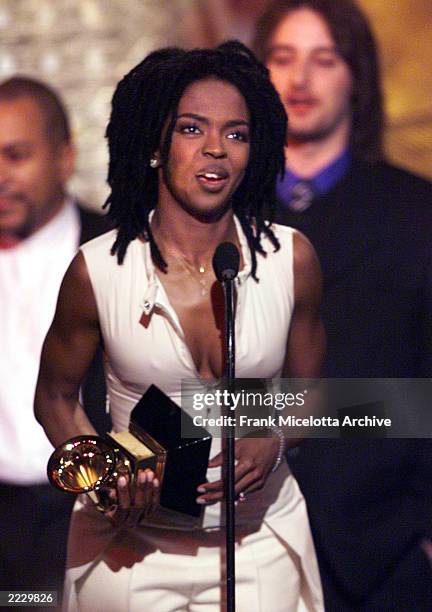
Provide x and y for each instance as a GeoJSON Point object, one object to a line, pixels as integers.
{"type": "Point", "coordinates": [93, 388]}
{"type": "Point", "coordinates": [370, 501]}
{"type": "Point", "coordinates": [373, 236]}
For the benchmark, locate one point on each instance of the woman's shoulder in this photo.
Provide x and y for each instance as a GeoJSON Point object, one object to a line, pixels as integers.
{"type": "Point", "coordinates": [100, 245]}
{"type": "Point", "coordinates": [284, 233]}
{"type": "Point", "coordinates": [99, 249]}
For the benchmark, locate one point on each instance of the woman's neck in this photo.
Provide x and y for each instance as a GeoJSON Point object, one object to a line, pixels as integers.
{"type": "Point", "coordinates": [195, 240]}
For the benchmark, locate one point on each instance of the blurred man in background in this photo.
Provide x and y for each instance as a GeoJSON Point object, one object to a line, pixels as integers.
{"type": "Point", "coordinates": [40, 229]}
{"type": "Point", "coordinates": [370, 501]}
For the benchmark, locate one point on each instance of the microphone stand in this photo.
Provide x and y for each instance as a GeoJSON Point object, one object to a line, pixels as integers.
{"type": "Point", "coordinates": [229, 458]}
{"type": "Point", "coordinates": [226, 262]}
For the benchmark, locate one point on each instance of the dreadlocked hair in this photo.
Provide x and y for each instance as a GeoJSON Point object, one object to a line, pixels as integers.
{"type": "Point", "coordinates": [146, 101]}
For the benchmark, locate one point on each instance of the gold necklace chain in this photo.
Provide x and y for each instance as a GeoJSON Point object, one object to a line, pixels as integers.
{"type": "Point", "coordinates": [192, 271]}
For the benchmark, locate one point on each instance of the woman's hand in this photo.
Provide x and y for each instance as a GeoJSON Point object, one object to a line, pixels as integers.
{"type": "Point", "coordinates": [255, 460]}
{"type": "Point", "coordinates": [134, 500]}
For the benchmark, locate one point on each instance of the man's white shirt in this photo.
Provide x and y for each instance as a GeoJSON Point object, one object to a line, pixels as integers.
{"type": "Point", "coordinates": [30, 277]}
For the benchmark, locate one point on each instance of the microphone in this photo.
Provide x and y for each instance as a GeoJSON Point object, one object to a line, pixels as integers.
{"type": "Point", "coordinates": [226, 262]}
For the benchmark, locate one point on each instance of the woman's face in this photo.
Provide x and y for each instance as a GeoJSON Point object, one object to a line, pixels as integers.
{"type": "Point", "coordinates": [209, 151]}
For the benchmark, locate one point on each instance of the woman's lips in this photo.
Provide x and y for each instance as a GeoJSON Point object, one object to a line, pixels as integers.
{"type": "Point", "coordinates": [211, 184]}
{"type": "Point", "coordinates": [212, 178]}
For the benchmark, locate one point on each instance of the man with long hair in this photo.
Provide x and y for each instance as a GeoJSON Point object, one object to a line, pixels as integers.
{"type": "Point", "coordinates": [369, 501]}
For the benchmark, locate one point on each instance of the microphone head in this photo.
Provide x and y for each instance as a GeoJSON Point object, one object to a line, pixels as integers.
{"type": "Point", "coordinates": [226, 261]}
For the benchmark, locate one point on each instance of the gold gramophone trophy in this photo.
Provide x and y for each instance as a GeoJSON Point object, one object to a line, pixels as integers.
{"type": "Point", "coordinates": [91, 464]}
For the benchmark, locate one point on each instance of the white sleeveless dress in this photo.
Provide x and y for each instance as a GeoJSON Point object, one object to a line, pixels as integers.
{"type": "Point", "coordinates": [144, 344]}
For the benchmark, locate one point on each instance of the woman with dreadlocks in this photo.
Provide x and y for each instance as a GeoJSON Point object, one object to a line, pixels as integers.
{"type": "Point", "coordinates": [196, 140]}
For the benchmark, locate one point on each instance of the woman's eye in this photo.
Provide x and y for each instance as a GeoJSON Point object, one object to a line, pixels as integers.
{"type": "Point", "coordinates": [189, 129]}
{"type": "Point", "coordinates": [241, 136]}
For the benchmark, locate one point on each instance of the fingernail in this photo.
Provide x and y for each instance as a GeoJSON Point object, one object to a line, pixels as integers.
{"type": "Point", "coordinates": [122, 482]}
{"type": "Point", "coordinates": [200, 500]}
{"type": "Point", "coordinates": [201, 489]}
{"type": "Point", "coordinates": [150, 476]}
{"type": "Point", "coordinates": [155, 483]}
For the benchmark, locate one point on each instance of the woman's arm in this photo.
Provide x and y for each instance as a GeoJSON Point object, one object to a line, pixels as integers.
{"type": "Point", "coordinates": [67, 353]}
{"type": "Point", "coordinates": [306, 339]}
